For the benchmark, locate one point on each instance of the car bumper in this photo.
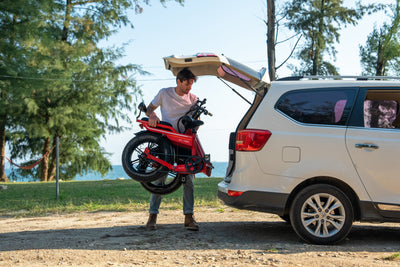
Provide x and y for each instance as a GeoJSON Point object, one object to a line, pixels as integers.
{"type": "Point", "coordinates": [254, 200]}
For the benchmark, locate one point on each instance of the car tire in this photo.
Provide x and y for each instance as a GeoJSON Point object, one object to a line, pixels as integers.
{"type": "Point", "coordinates": [286, 218]}
{"type": "Point", "coordinates": [321, 214]}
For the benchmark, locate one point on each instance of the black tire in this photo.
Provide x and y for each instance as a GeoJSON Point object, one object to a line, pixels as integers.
{"type": "Point", "coordinates": [140, 168]}
{"type": "Point", "coordinates": [325, 223]}
{"type": "Point", "coordinates": [286, 218]}
{"type": "Point", "coordinates": [169, 185]}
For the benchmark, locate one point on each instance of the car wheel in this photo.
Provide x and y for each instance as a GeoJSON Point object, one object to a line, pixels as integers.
{"type": "Point", "coordinates": [321, 214]}
{"type": "Point", "coordinates": [286, 218]}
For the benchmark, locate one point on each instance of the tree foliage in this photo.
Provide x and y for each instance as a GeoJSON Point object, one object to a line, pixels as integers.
{"type": "Point", "coordinates": [17, 26]}
{"type": "Point", "coordinates": [319, 22]}
{"type": "Point", "coordinates": [380, 54]}
{"type": "Point", "coordinates": [58, 82]}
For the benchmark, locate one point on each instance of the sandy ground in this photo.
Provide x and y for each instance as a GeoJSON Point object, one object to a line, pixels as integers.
{"type": "Point", "coordinates": [226, 238]}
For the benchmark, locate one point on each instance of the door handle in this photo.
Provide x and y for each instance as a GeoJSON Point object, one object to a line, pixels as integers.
{"type": "Point", "coordinates": [373, 146]}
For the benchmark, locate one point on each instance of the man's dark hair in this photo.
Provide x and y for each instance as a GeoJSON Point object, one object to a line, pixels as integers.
{"type": "Point", "coordinates": [185, 75]}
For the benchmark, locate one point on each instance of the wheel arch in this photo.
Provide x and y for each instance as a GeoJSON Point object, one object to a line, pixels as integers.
{"type": "Point", "coordinates": [350, 193]}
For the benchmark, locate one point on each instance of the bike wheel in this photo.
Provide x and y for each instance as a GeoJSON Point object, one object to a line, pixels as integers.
{"type": "Point", "coordinates": [164, 186]}
{"type": "Point", "coordinates": [137, 166]}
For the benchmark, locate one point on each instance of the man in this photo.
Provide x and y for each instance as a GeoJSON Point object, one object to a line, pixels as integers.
{"type": "Point", "coordinates": [174, 103]}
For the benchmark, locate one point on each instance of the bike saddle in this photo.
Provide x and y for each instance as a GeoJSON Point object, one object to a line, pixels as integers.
{"type": "Point", "coordinates": [191, 123]}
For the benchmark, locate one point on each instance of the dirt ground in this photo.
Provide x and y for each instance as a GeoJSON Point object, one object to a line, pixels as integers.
{"type": "Point", "coordinates": [226, 238]}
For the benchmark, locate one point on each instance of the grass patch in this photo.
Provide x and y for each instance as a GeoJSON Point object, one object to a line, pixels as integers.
{"type": "Point", "coordinates": [393, 257]}
{"type": "Point", "coordinates": [39, 198]}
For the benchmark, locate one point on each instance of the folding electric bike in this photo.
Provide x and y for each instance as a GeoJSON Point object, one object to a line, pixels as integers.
{"type": "Point", "coordinates": [160, 157]}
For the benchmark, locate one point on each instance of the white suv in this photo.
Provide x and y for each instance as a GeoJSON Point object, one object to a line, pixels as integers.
{"type": "Point", "coordinates": [319, 152]}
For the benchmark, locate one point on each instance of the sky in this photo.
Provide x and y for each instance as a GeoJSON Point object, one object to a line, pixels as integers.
{"type": "Point", "coordinates": [234, 28]}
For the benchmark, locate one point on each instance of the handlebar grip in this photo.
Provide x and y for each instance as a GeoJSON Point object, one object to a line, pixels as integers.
{"type": "Point", "coordinates": [142, 107]}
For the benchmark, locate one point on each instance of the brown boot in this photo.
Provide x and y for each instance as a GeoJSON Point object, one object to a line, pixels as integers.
{"type": "Point", "coordinates": [151, 223]}
{"type": "Point", "coordinates": [190, 223]}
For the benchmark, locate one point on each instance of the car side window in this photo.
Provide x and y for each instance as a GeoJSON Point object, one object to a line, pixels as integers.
{"type": "Point", "coordinates": [329, 107]}
{"type": "Point", "coordinates": [381, 109]}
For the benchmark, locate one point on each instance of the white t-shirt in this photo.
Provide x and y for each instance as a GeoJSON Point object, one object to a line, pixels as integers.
{"type": "Point", "coordinates": [173, 106]}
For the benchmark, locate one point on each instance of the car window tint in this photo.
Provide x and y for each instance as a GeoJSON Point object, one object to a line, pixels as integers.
{"type": "Point", "coordinates": [380, 113]}
{"type": "Point", "coordinates": [331, 107]}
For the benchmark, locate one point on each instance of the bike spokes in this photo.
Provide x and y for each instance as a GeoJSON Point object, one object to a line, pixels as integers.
{"type": "Point", "coordinates": [136, 161]}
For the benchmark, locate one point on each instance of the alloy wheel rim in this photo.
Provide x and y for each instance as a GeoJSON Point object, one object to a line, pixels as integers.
{"type": "Point", "coordinates": [323, 215]}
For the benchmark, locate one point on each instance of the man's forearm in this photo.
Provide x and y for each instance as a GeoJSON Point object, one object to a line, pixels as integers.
{"type": "Point", "coordinates": [153, 119]}
{"type": "Point", "coordinates": [150, 110]}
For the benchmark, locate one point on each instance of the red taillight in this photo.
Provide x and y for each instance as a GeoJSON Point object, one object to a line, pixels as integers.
{"type": "Point", "coordinates": [234, 193]}
{"type": "Point", "coordinates": [251, 139]}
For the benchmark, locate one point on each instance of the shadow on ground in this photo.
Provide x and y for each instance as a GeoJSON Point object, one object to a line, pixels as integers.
{"type": "Point", "coordinates": [277, 236]}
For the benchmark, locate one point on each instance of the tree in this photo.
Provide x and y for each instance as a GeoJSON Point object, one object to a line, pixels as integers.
{"type": "Point", "coordinates": [271, 39]}
{"type": "Point", "coordinates": [16, 28]}
{"type": "Point", "coordinates": [79, 91]}
{"type": "Point", "coordinates": [380, 54]}
{"type": "Point", "coordinates": [319, 22]}
{"type": "Point", "coordinates": [272, 36]}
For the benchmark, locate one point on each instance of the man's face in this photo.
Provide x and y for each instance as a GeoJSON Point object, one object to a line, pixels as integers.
{"type": "Point", "coordinates": [184, 87]}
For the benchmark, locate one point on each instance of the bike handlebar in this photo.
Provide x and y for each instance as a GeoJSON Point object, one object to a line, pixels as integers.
{"type": "Point", "coordinates": [198, 109]}
{"type": "Point", "coordinates": [208, 113]}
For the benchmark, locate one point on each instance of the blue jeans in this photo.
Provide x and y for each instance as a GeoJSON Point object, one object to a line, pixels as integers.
{"type": "Point", "coordinates": [188, 198]}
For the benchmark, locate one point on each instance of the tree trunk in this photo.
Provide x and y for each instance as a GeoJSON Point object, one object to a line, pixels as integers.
{"type": "Point", "coordinates": [52, 170]}
{"type": "Point", "coordinates": [3, 176]}
{"type": "Point", "coordinates": [380, 64]}
{"type": "Point", "coordinates": [65, 31]}
{"type": "Point", "coordinates": [45, 161]}
{"type": "Point", "coordinates": [52, 165]}
{"type": "Point", "coordinates": [317, 51]}
{"type": "Point", "coordinates": [271, 39]}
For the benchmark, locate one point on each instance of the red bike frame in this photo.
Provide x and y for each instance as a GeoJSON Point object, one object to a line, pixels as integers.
{"type": "Point", "coordinates": [188, 140]}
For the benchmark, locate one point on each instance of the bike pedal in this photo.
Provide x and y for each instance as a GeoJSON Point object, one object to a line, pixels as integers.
{"type": "Point", "coordinates": [207, 158]}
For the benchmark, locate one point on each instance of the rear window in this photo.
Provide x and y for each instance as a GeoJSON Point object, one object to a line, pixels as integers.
{"type": "Point", "coordinates": [329, 107]}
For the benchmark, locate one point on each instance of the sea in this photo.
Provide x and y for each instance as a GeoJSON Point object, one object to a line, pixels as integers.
{"type": "Point", "coordinates": [118, 172]}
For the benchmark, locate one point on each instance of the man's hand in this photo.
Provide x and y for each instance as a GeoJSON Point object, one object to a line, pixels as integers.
{"type": "Point", "coordinates": [153, 119]}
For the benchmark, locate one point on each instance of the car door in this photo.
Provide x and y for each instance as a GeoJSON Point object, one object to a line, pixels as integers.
{"type": "Point", "coordinates": [374, 146]}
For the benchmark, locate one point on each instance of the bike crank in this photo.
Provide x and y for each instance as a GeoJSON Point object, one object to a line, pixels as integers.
{"type": "Point", "coordinates": [194, 164]}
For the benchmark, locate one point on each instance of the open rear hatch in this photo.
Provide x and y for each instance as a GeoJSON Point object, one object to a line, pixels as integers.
{"type": "Point", "coordinates": [222, 67]}
{"type": "Point", "coordinates": [229, 70]}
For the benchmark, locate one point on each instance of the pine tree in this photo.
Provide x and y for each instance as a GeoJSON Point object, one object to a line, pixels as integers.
{"type": "Point", "coordinates": [380, 54]}
{"type": "Point", "coordinates": [319, 22]}
{"type": "Point", "coordinates": [78, 91]}
{"type": "Point", "coordinates": [17, 26]}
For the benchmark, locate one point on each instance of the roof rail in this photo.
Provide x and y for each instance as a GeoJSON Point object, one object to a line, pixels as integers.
{"type": "Point", "coordinates": [337, 77]}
